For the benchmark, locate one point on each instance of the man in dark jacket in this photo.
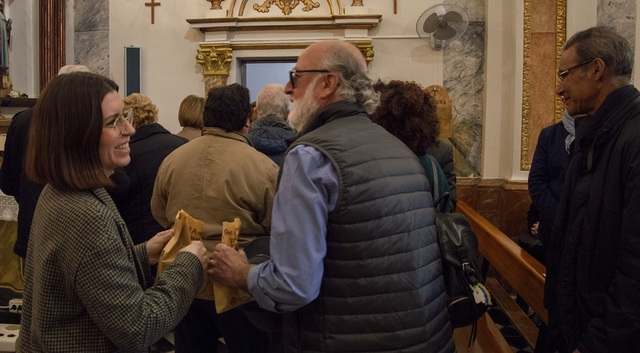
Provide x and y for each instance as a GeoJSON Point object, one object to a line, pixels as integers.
{"type": "Point", "coordinates": [355, 263]}
{"type": "Point", "coordinates": [13, 180]}
{"type": "Point", "coordinates": [270, 133]}
{"type": "Point", "coordinates": [593, 278]}
{"type": "Point", "coordinates": [548, 170]}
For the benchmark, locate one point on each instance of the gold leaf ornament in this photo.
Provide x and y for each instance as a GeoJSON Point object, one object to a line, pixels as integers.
{"type": "Point", "coordinates": [216, 4]}
{"type": "Point", "coordinates": [287, 6]}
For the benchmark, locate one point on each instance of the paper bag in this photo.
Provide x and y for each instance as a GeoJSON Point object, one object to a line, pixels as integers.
{"type": "Point", "coordinates": [227, 297]}
{"type": "Point", "coordinates": [186, 229]}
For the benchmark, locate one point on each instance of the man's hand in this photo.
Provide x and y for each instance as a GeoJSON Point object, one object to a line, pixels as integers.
{"type": "Point", "coordinates": [534, 229]}
{"type": "Point", "coordinates": [156, 244]}
{"type": "Point", "coordinates": [229, 266]}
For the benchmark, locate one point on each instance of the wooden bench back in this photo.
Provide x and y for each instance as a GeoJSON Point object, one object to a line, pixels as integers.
{"type": "Point", "coordinates": [519, 269]}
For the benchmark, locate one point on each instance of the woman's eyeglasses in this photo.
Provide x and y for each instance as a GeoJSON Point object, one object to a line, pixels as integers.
{"type": "Point", "coordinates": [120, 124]}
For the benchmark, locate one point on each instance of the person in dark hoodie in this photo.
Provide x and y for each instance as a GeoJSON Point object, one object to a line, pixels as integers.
{"type": "Point", "coordinates": [270, 133]}
{"type": "Point", "coordinates": [150, 144]}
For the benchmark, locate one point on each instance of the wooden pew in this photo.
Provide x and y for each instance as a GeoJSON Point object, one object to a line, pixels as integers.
{"type": "Point", "coordinates": [524, 274]}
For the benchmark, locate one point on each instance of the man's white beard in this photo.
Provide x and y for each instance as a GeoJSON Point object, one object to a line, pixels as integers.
{"type": "Point", "coordinates": [305, 109]}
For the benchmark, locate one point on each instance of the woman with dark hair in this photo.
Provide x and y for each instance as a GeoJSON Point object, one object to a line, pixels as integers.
{"type": "Point", "coordinates": [87, 287]}
{"type": "Point", "coordinates": [408, 112]}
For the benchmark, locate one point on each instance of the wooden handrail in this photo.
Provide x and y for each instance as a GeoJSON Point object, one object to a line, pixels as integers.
{"type": "Point", "coordinates": [517, 267]}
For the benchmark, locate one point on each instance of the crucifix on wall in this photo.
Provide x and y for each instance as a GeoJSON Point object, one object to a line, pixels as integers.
{"type": "Point", "coordinates": [153, 5]}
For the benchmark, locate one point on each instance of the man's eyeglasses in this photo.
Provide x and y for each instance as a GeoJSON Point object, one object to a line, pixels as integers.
{"type": "Point", "coordinates": [295, 74]}
{"type": "Point", "coordinates": [563, 73]}
{"type": "Point", "coordinates": [120, 124]}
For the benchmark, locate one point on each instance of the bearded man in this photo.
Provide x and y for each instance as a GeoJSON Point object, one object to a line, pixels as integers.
{"type": "Point", "coordinates": [355, 263]}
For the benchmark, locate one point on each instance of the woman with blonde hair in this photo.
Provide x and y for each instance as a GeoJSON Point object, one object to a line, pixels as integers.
{"type": "Point", "coordinates": [149, 145]}
{"type": "Point", "coordinates": [190, 117]}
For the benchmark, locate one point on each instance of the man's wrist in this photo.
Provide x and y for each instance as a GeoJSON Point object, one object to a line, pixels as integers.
{"type": "Point", "coordinates": [241, 278]}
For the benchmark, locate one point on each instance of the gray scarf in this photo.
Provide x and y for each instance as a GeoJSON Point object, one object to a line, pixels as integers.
{"type": "Point", "coordinates": [570, 126]}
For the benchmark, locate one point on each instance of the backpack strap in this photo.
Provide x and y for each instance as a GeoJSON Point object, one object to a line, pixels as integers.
{"type": "Point", "coordinates": [440, 202]}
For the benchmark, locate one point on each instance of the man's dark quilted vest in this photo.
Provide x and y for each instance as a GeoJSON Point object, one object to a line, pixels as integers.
{"type": "Point", "coordinates": [382, 287]}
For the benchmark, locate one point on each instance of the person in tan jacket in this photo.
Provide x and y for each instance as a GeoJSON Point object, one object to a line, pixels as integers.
{"type": "Point", "coordinates": [216, 178]}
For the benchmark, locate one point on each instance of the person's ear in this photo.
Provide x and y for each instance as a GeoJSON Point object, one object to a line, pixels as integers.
{"type": "Point", "coordinates": [329, 84]}
{"type": "Point", "coordinates": [598, 66]}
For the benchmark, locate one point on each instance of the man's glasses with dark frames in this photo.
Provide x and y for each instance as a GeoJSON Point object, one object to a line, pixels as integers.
{"type": "Point", "coordinates": [294, 74]}
{"type": "Point", "coordinates": [563, 73]}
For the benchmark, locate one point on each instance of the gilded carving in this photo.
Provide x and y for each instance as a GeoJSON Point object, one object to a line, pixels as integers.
{"type": "Point", "coordinates": [216, 63]}
{"type": "Point", "coordinates": [357, 3]}
{"type": "Point", "coordinates": [214, 59]}
{"type": "Point", "coordinates": [215, 4]}
{"type": "Point", "coordinates": [561, 37]}
{"type": "Point", "coordinates": [286, 6]}
{"type": "Point", "coordinates": [366, 48]}
{"type": "Point", "coordinates": [526, 88]}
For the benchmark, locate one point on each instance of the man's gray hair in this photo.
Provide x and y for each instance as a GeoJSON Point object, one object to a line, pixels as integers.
{"type": "Point", "coordinates": [356, 86]}
{"type": "Point", "coordinates": [604, 43]}
{"type": "Point", "coordinates": [272, 100]}
{"type": "Point", "coordinates": [67, 69]}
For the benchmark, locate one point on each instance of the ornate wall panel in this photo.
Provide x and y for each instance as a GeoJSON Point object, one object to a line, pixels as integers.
{"type": "Point", "coordinates": [544, 35]}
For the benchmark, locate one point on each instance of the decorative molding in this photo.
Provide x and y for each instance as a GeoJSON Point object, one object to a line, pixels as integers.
{"type": "Point", "coordinates": [526, 87]}
{"type": "Point", "coordinates": [280, 24]}
{"type": "Point", "coordinates": [286, 6]}
{"type": "Point", "coordinates": [502, 184]}
{"type": "Point", "coordinates": [560, 27]}
{"type": "Point", "coordinates": [561, 38]}
{"type": "Point", "coordinates": [365, 46]}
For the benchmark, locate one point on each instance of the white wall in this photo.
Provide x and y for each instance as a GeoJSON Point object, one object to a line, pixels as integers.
{"type": "Point", "coordinates": [168, 48]}
{"type": "Point", "coordinates": [170, 72]}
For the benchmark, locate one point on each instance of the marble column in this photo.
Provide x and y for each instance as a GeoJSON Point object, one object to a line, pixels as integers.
{"type": "Point", "coordinates": [91, 35]}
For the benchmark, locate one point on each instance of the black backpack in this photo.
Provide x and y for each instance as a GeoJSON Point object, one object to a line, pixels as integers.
{"type": "Point", "coordinates": [468, 299]}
